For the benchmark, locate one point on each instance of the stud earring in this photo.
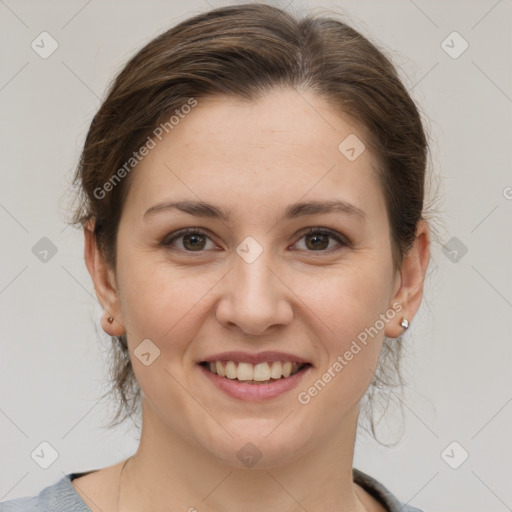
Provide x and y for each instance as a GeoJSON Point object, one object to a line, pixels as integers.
{"type": "Point", "coordinates": [110, 319]}
{"type": "Point", "coordinates": [404, 324]}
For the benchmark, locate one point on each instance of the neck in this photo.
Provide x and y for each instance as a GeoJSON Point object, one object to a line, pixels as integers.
{"type": "Point", "coordinates": [170, 472]}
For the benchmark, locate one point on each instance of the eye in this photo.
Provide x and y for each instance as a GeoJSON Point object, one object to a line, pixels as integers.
{"type": "Point", "coordinates": [193, 240]}
{"type": "Point", "coordinates": [196, 240]}
{"type": "Point", "coordinates": [317, 239]}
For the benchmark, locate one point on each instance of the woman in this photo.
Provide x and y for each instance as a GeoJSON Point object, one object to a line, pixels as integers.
{"type": "Point", "coordinates": [252, 197]}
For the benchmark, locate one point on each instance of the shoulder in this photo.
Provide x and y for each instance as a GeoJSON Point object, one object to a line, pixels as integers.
{"type": "Point", "coordinates": [58, 497]}
{"type": "Point", "coordinates": [29, 503]}
{"type": "Point", "coordinates": [381, 493]}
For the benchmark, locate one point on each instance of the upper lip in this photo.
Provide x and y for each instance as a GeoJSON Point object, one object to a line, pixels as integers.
{"type": "Point", "coordinates": [260, 357]}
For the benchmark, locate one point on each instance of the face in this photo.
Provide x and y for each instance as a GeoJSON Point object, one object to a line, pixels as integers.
{"type": "Point", "coordinates": [257, 274]}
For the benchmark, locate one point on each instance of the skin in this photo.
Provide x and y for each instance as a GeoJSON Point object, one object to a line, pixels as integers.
{"type": "Point", "coordinates": [253, 160]}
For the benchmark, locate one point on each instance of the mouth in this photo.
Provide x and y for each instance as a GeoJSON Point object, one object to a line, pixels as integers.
{"type": "Point", "coordinates": [265, 372]}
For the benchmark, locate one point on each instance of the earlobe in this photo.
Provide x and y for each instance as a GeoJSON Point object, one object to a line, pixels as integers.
{"type": "Point", "coordinates": [104, 283]}
{"type": "Point", "coordinates": [412, 277]}
{"type": "Point", "coordinates": [111, 326]}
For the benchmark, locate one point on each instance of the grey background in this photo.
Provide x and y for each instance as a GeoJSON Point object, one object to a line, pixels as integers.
{"type": "Point", "coordinates": [53, 363]}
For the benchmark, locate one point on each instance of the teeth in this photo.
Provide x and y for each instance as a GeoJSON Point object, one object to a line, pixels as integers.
{"type": "Point", "coordinates": [261, 372]}
{"type": "Point", "coordinates": [277, 370]}
{"type": "Point", "coordinates": [287, 369]}
{"type": "Point", "coordinates": [245, 371]}
{"type": "Point", "coordinates": [231, 370]}
{"type": "Point", "coordinates": [220, 369]}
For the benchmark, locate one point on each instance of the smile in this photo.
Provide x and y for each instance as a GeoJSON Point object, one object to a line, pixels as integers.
{"type": "Point", "coordinates": [261, 381]}
{"type": "Point", "coordinates": [260, 373]}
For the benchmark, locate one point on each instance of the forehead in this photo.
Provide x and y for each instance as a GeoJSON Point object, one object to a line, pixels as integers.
{"type": "Point", "coordinates": [286, 145]}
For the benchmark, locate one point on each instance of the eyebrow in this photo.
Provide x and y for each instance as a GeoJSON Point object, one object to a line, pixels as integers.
{"type": "Point", "coordinates": [295, 210]}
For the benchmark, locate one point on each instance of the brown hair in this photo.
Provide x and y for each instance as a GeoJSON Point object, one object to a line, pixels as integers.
{"type": "Point", "coordinates": [245, 51]}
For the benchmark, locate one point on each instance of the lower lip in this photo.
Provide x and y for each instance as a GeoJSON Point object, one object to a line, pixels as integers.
{"type": "Point", "coordinates": [255, 392]}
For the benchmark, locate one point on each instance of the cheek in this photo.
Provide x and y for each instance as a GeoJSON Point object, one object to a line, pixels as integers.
{"type": "Point", "coordinates": [161, 302]}
{"type": "Point", "coordinates": [347, 300]}
{"type": "Point", "coordinates": [167, 306]}
{"type": "Point", "coordinates": [350, 309]}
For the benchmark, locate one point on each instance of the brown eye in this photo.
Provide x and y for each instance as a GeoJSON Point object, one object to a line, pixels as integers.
{"type": "Point", "coordinates": [319, 240]}
{"type": "Point", "coordinates": [192, 240]}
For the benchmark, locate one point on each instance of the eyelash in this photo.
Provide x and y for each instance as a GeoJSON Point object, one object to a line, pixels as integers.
{"type": "Point", "coordinates": [311, 231]}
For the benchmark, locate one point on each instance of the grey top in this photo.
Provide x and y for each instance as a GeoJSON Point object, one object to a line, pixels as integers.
{"type": "Point", "coordinates": [62, 497]}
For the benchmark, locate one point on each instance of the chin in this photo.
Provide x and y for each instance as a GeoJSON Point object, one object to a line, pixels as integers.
{"type": "Point", "coordinates": [261, 449]}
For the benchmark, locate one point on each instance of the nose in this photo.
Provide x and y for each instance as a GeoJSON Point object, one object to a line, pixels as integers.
{"type": "Point", "coordinates": [254, 298]}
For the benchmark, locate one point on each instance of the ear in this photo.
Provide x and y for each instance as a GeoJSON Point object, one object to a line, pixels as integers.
{"type": "Point", "coordinates": [104, 283]}
{"type": "Point", "coordinates": [409, 291]}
